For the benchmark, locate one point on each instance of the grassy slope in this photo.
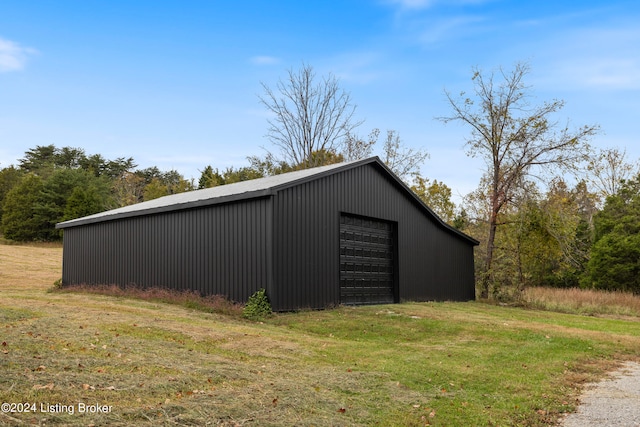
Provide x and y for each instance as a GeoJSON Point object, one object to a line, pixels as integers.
{"type": "Point", "coordinates": [409, 364]}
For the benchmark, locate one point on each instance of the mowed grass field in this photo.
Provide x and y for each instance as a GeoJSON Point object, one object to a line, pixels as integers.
{"type": "Point", "coordinates": [87, 359]}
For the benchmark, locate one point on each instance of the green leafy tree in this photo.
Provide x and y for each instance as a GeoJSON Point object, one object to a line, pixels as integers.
{"type": "Point", "coordinates": [210, 178]}
{"type": "Point", "coordinates": [155, 189]}
{"type": "Point", "coordinates": [112, 169]}
{"type": "Point", "coordinates": [69, 157]}
{"type": "Point", "coordinates": [9, 178]}
{"type": "Point", "coordinates": [436, 195]}
{"type": "Point", "coordinates": [615, 262]}
{"type": "Point", "coordinates": [127, 189]}
{"type": "Point", "coordinates": [40, 159]}
{"type": "Point", "coordinates": [62, 194]}
{"type": "Point", "coordinates": [84, 201]}
{"type": "Point", "coordinates": [34, 206]}
{"type": "Point", "coordinates": [53, 198]}
{"type": "Point", "coordinates": [561, 215]}
{"type": "Point", "coordinates": [21, 220]}
{"type": "Point", "coordinates": [269, 166]}
{"type": "Point", "coordinates": [162, 183]}
{"type": "Point", "coordinates": [615, 256]}
{"type": "Point", "coordinates": [232, 175]}
{"type": "Point", "coordinates": [461, 221]}
{"type": "Point", "coordinates": [73, 184]}
{"type": "Point", "coordinates": [545, 232]}
{"type": "Point", "coordinates": [175, 182]}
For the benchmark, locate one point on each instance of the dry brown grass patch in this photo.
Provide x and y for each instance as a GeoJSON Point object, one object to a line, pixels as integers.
{"type": "Point", "coordinates": [190, 299]}
{"type": "Point", "coordinates": [29, 267]}
{"type": "Point", "coordinates": [583, 301]}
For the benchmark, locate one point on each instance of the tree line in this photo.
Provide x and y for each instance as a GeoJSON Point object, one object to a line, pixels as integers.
{"type": "Point", "coordinates": [550, 210]}
{"type": "Point", "coordinates": [51, 184]}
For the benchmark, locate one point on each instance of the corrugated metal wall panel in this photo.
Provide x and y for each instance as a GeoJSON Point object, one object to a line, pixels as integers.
{"type": "Point", "coordinates": [215, 250]}
{"type": "Point", "coordinates": [433, 263]}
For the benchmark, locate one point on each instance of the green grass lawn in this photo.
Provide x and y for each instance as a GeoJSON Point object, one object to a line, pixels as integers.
{"type": "Point", "coordinates": [441, 364]}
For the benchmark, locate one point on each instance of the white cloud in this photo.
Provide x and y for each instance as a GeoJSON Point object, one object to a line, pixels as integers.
{"type": "Point", "coordinates": [431, 22]}
{"type": "Point", "coordinates": [599, 59]}
{"type": "Point", "coordinates": [13, 57]}
{"type": "Point", "coordinates": [426, 4]}
{"type": "Point", "coordinates": [357, 67]}
{"type": "Point", "coordinates": [264, 60]}
{"type": "Point", "coordinates": [612, 73]}
{"type": "Point", "coordinates": [448, 28]}
{"type": "Point", "coordinates": [412, 4]}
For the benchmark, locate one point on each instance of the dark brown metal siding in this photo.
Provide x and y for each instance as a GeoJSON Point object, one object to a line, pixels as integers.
{"type": "Point", "coordinates": [433, 263]}
{"type": "Point", "coordinates": [223, 249]}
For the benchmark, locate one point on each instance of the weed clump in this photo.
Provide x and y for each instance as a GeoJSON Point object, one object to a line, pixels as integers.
{"type": "Point", "coordinates": [258, 307]}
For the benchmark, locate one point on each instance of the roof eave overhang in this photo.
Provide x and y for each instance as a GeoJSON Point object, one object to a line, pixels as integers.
{"type": "Point", "coordinates": [163, 209]}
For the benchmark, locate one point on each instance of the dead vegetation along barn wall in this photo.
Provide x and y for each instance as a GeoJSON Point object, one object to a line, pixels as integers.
{"type": "Point", "coordinates": [279, 233]}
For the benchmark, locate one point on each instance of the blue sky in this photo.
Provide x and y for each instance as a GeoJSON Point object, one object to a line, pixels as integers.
{"type": "Point", "coordinates": [175, 84]}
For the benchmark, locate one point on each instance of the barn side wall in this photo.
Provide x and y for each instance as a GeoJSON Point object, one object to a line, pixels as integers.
{"type": "Point", "coordinates": [221, 249]}
{"type": "Point", "coordinates": [433, 263]}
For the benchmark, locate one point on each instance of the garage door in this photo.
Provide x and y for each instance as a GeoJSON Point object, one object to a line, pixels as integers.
{"type": "Point", "coordinates": [366, 260]}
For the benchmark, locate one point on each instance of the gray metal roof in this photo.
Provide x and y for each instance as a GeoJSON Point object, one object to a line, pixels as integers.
{"type": "Point", "coordinates": [222, 193]}
{"type": "Point", "coordinates": [260, 187]}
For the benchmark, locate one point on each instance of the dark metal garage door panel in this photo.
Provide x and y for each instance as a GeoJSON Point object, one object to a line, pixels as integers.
{"type": "Point", "coordinates": [366, 261]}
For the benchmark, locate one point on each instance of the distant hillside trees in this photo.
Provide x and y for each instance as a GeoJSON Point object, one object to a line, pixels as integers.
{"type": "Point", "coordinates": [53, 184]}
{"type": "Point", "coordinates": [21, 219]}
{"type": "Point", "coordinates": [9, 178]}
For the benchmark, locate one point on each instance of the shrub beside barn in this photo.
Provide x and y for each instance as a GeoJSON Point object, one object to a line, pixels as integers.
{"type": "Point", "coordinates": [349, 233]}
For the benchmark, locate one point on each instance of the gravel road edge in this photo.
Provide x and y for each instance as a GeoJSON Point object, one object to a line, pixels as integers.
{"type": "Point", "coordinates": [613, 402]}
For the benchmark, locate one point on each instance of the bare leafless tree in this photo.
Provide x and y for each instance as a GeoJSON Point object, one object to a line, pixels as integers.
{"type": "Point", "coordinates": [308, 115]}
{"type": "Point", "coordinates": [355, 147]}
{"type": "Point", "coordinates": [609, 169]}
{"type": "Point", "coordinates": [403, 161]}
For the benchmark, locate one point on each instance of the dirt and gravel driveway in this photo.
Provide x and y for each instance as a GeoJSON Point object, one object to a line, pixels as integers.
{"type": "Point", "coordinates": [614, 402]}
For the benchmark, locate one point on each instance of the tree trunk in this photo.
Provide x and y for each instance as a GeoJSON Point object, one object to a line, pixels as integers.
{"type": "Point", "coordinates": [488, 275]}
